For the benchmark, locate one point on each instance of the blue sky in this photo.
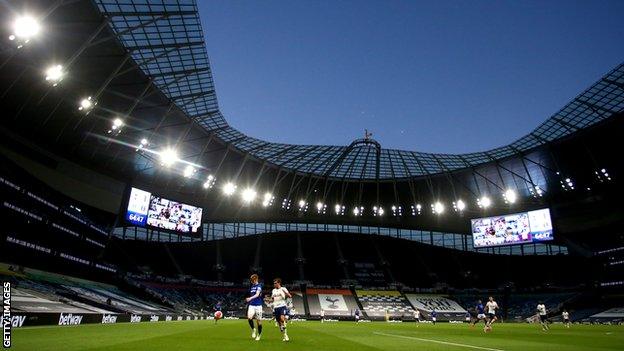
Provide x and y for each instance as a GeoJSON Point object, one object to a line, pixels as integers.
{"type": "Point", "coordinates": [438, 76]}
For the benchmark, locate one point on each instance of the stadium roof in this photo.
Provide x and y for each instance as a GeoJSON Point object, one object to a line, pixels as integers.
{"type": "Point", "coordinates": [145, 66]}
{"type": "Point", "coordinates": [166, 40]}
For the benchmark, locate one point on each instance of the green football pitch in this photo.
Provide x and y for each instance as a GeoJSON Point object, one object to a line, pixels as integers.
{"type": "Point", "coordinates": [235, 335]}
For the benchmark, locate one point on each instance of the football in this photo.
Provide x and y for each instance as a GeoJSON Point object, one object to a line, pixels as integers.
{"type": "Point", "coordinates": [218, 315]}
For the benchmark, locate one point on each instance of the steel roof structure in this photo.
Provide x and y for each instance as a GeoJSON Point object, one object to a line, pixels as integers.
{"type": "Point", "coordinates": [166, 40]}
{"type": "Point", "coordinates": [144, 63]}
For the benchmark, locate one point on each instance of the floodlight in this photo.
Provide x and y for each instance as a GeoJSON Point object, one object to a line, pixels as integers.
{"type": "Point", "coordinates": [358, 210]}
{"type": "Point", "coordinates": [86, 104]}
{"type": "Point", "coordinates": [286, 204]}
{"type": "Point", "coordinates": [268, 199]}
{"type": "Point", "coordinates": [117, 123]}
{"type": "Point", "coordinates": [168, 157]}
{"type": "Point", "coordinates": [303, 206]}
{"type": "Point", "coordinates": [189, 171]}
{"type": "Point", "coordinates": [116, 126]}
{"type": "Point", "coordinates": [142, 144]}
{"type": "Point", "coordinates": [378, 211]}
{"type": "Point", "coordinates": [397, 210]}
{"type": "Point", "coordinates": [54, 74]}
{"type": "Point", "coordinates": [603, 175]}
{"type": "Point", "coordinates": [319, 205]}
{"type": "Point", "coordinates": [229, 188]}
{"type": "Point", "coordinates": [460, 205]}
{"type": "Point", "coordinates": [25, 28]}
{"type": "Point", "coordinates": [438, 208]}
{"type": "Point", "coordinates": [510, 196]}
{"type": "Point", "coordinates": [538, 190]}
{"type": "Point", "coordinates": [339, 209]}
{"type": "Point", "coordinates": [484, 202]}
{"type": "Point", "coordinates": [210, 181]}
{"type": "Point", "coordinates": [248, 195]}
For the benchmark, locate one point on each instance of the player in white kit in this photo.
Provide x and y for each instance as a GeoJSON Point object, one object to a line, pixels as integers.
{"type": "Point", "coordinates": [491, 306]}
{"type": "Point", "coordinates": [566, 318]}
{"type": "Point", "coordinates": [541, 311]}
{"type": "Point", "coordinates": [278, 298]}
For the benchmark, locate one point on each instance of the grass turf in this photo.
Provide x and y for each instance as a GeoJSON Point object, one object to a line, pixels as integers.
{"type": "Point", "coordinates": [235, 335]}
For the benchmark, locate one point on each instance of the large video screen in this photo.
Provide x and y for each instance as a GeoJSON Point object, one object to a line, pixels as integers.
{"type": "Point", "coordinates": [512, 229]}
{"type": "Point", "coordinates": [155, 211]}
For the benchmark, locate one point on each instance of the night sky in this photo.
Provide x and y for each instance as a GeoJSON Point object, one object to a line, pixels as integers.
{"type": "Point", "coordinates": [438, 76]}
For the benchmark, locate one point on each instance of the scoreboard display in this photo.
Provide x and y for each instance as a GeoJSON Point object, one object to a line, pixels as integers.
{"type": "Point", "coordinates": [138, 204]}
{"type": "Point", "coordinates": [511, 229]}
{"type": "Point", "coordinates": [146, 209]}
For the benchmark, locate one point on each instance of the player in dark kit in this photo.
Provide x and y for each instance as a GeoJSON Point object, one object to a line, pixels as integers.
{"type": "Point", "coordinates": [480, 309]}
{"type": "Point", "coordinates": [217, 308]}
{"type": "Point", "coordinates": [254, 310]}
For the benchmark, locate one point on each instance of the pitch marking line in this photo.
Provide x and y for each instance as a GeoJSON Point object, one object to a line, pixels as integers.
{"type": "Point", "coordinates": [437, 341]}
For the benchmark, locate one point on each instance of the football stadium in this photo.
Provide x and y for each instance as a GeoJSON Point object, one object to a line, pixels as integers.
{"type": "Point", "coordinates": [136, 217]}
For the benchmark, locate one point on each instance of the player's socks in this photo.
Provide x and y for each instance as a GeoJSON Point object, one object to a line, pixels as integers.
{"type": "Point", "coordinates": [251, 325]}
{"type": "Point", "coordinates": [259, 329]}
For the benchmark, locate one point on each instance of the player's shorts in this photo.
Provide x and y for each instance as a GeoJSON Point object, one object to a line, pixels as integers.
{"type": "Point", "coordinates": [433, 319]}
{"type": "Point", "coordinates": [254, 312]}
{"type": "Point", "coordinates": [491, 315]}
{"type": "Point", "coordinates": [481, 316]}
{"type": "Point", "coordinates": [543, 318]}
{"type": "Point", "coordinates": [280, 311]}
